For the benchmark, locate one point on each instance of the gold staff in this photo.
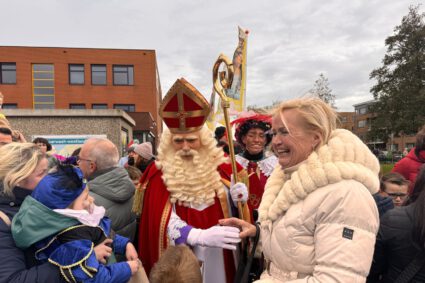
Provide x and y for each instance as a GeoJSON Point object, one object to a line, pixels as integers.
{"type": "Point", "coordinates": [223, 80]}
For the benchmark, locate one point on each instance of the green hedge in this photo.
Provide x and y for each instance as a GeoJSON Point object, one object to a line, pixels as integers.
{"type": "Point", "coordinates": [386, 167]}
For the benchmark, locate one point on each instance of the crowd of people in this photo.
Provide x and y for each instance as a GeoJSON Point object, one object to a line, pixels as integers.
{"type": "Point", "coordinates": [314, 194]}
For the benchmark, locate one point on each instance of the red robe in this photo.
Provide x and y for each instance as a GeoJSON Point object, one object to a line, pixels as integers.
{"type": "Point", "coordinates": [257, 181]}
{"type": "Point", "coordinates": [156, 213]}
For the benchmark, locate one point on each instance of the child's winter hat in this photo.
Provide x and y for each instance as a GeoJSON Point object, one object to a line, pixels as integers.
{"type": "Point", "coordinates": [58, 189]}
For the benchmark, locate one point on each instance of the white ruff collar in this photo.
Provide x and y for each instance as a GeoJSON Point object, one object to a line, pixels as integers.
{"type": "Point", "coordinates": [266, 165]}
{"type": "Point", "coordinates": [91, 219]}
{"type": "Point", "coordinates": [345, 157]}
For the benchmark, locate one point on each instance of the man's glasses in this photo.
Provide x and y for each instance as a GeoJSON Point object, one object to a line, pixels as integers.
{"type": "Point", "coordinates": [82, 159]}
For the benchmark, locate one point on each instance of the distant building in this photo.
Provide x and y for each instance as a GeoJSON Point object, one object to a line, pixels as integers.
{"type": "Point", "coordinates": [346, 120]}
{"type": "Point", "coordinates": [115, 124]}
{"type": "Point", "coordinates": [362, 122]}
{"type": "Point", "coordinates": [362, 125]}
{"type": "Point", "coordinates": [84, 78]}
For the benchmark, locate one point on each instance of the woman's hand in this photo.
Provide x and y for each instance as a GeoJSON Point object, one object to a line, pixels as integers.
{"type": "Point", "coordinates": [103, 251]}
{"type": "Point", "coordinates": [248, 230]}
{"type": "Point", "coordinates": [130, 252]}
{"type": "Point", "coordinates": [18, 136]}
{"type": "Point", "coordinates": [134, 266]}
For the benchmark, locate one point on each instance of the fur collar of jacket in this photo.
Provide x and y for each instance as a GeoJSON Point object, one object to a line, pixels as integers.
{"type": "Point", "coordinates": [344, 157]}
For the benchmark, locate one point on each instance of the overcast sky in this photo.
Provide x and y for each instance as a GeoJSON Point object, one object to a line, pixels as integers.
{"type": "Point", "coordinates": [290, 42]}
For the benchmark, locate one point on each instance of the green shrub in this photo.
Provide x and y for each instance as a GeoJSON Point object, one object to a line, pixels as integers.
{"type": "Point", "coordinates": [386, 167]}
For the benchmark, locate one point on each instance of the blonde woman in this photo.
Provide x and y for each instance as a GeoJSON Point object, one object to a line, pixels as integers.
{"type": "Point", "coordinates": [318, 218]}
{"type": "Point", "coordinates": [22, 166]}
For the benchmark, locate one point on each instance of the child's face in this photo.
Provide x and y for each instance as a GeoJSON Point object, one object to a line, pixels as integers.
{"type": "Point", "coordinates": [83, 202]}
{"type": "Point", "coordinates": [397, 192]}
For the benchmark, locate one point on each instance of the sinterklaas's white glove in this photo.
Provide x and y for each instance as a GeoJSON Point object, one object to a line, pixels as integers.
{"type": "Point", "coordinates": [238, 192]}
{"type": "Point", "coordinates": [225, 237]}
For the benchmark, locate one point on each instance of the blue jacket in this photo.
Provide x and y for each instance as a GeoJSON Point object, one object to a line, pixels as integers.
{"type": "Point", "coordinates": [383, 203]}
{"type": "Point", "coordinates": [17, 266]}
{"type": "Point", "coordinates": [74, 254]}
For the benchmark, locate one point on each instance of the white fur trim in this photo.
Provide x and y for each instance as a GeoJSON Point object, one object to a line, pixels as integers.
{"type": "Point", "coordinates": [345, 157]}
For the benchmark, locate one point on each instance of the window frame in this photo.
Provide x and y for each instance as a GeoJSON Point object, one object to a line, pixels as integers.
{"type": "Point", "coordinates": [363, 110]}
{"type": "Point", "coordinates": [106, 73]}
{"type": "Point", "coordinates": [114, 72]}
{"type": "Point", "coordinates": [121, 106]}
{"type": "Point", "coordinates": [98, 104]}
{"type": "Point", "coordinates": [37, 92]}
{"type": "Point", "coordinates": [364, 122]}
{"type": "Point", "coordinates": [1, 72]}
{"type": "Point", "coordinates": [77, 104]}
{"type": "Point", "coordinates": [73, 71]}
{"type": "Point", "coordinates": [9, 106]}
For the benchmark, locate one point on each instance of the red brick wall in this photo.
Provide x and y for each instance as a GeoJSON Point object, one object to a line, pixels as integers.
{"type": "Point", "coordinates": [143, 94]}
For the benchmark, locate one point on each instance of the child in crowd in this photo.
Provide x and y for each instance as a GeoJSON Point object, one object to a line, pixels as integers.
{"type": "Point", "coordinates": [394, 185]}
{"type": "Point", "coordinates": [69, 231]}
{"type": "Point", "coordinates": [178, 264]}
{"type": "Point", "coordinates": [134, 174]}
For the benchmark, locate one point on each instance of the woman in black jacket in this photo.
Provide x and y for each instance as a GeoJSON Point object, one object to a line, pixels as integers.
{"type": "Point", "coordinates": [22, 165]}
{"type": "Point", "coordinates": [401, 240]}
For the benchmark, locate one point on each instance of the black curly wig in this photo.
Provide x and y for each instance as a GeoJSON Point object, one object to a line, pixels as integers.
{"type": "Point", "coordinates": [247, 125]}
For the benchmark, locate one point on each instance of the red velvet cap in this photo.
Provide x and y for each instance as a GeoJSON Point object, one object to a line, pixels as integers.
{"type": "Point", "coordinates": [184, 109]}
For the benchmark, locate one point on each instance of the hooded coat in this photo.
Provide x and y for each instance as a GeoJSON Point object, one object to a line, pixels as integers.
{"type": "Point", "coordinates": [318, 218]}
{"type": "Point", "coordinates": [113, 189]}
{"type": "Point", "coordinates": [409, 166]}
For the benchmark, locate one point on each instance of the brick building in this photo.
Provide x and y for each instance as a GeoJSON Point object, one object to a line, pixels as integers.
{"type": "Point", "coordinates": [346, 120]}
{"type": "Point", "coordinates": [362, 124]}
{"type": "Point", "coordinates": [362, 120]}
{"type": "Point", "coordinates": [84, 78]}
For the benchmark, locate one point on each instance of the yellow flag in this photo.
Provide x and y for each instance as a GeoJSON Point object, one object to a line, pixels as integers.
{"type": "Point", "coordinates": [237, 91]}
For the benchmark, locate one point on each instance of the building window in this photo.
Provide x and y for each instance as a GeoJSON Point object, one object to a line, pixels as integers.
{"type": "Point", "coordinates": [343, 119]}
{"type": "Point", "coordinates": [8, 73]}
{"type": "Point", "coordinates": [410, 145]}
{"type": "Point", "coordinates": [77, 106]}
{"type": "Point", "coordinates": [144, 136]}
{"type": "Point", "coordinates": [10, 106]}
{"type": "Point", "coordinates": [43, 86]}
{"type": "Point", "coordinates": [76, 74]}
{"type": "Point", "coordinates": [98, 74]}
{"type": "Point", "coordinates": [361, 124]}
{"type": "Point", "coordinates": [99, 106]}
{"type": "Point", "coordinates": [363, 110]}
{"type": "Point", "coordinates": [125, 107]}
{"type": "Point", "coordinates": [394, 147]}
{"type": "Point", "coordinates": [123, 74]}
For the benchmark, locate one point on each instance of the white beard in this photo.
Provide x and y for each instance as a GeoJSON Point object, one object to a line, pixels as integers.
{"type": "Point", "coordinates": [192, 181]}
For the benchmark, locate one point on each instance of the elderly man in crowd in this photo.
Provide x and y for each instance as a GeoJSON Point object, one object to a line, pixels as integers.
{"type": "Point", "coordinates": [109, 184]}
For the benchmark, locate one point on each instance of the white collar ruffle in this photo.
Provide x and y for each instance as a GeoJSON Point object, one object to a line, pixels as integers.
{"type": "Point", "coordinates": [266, 165]}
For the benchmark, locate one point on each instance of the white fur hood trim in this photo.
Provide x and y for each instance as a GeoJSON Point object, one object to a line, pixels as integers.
{"type": "Point", "coordinates": [345, 157]}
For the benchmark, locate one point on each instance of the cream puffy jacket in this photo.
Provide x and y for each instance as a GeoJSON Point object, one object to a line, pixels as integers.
{"type": "Point", "coordinates": [318, 219]}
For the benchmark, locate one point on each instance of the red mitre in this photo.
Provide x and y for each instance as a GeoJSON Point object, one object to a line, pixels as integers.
{"type": "Point", "coordinates": [184, 109]}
